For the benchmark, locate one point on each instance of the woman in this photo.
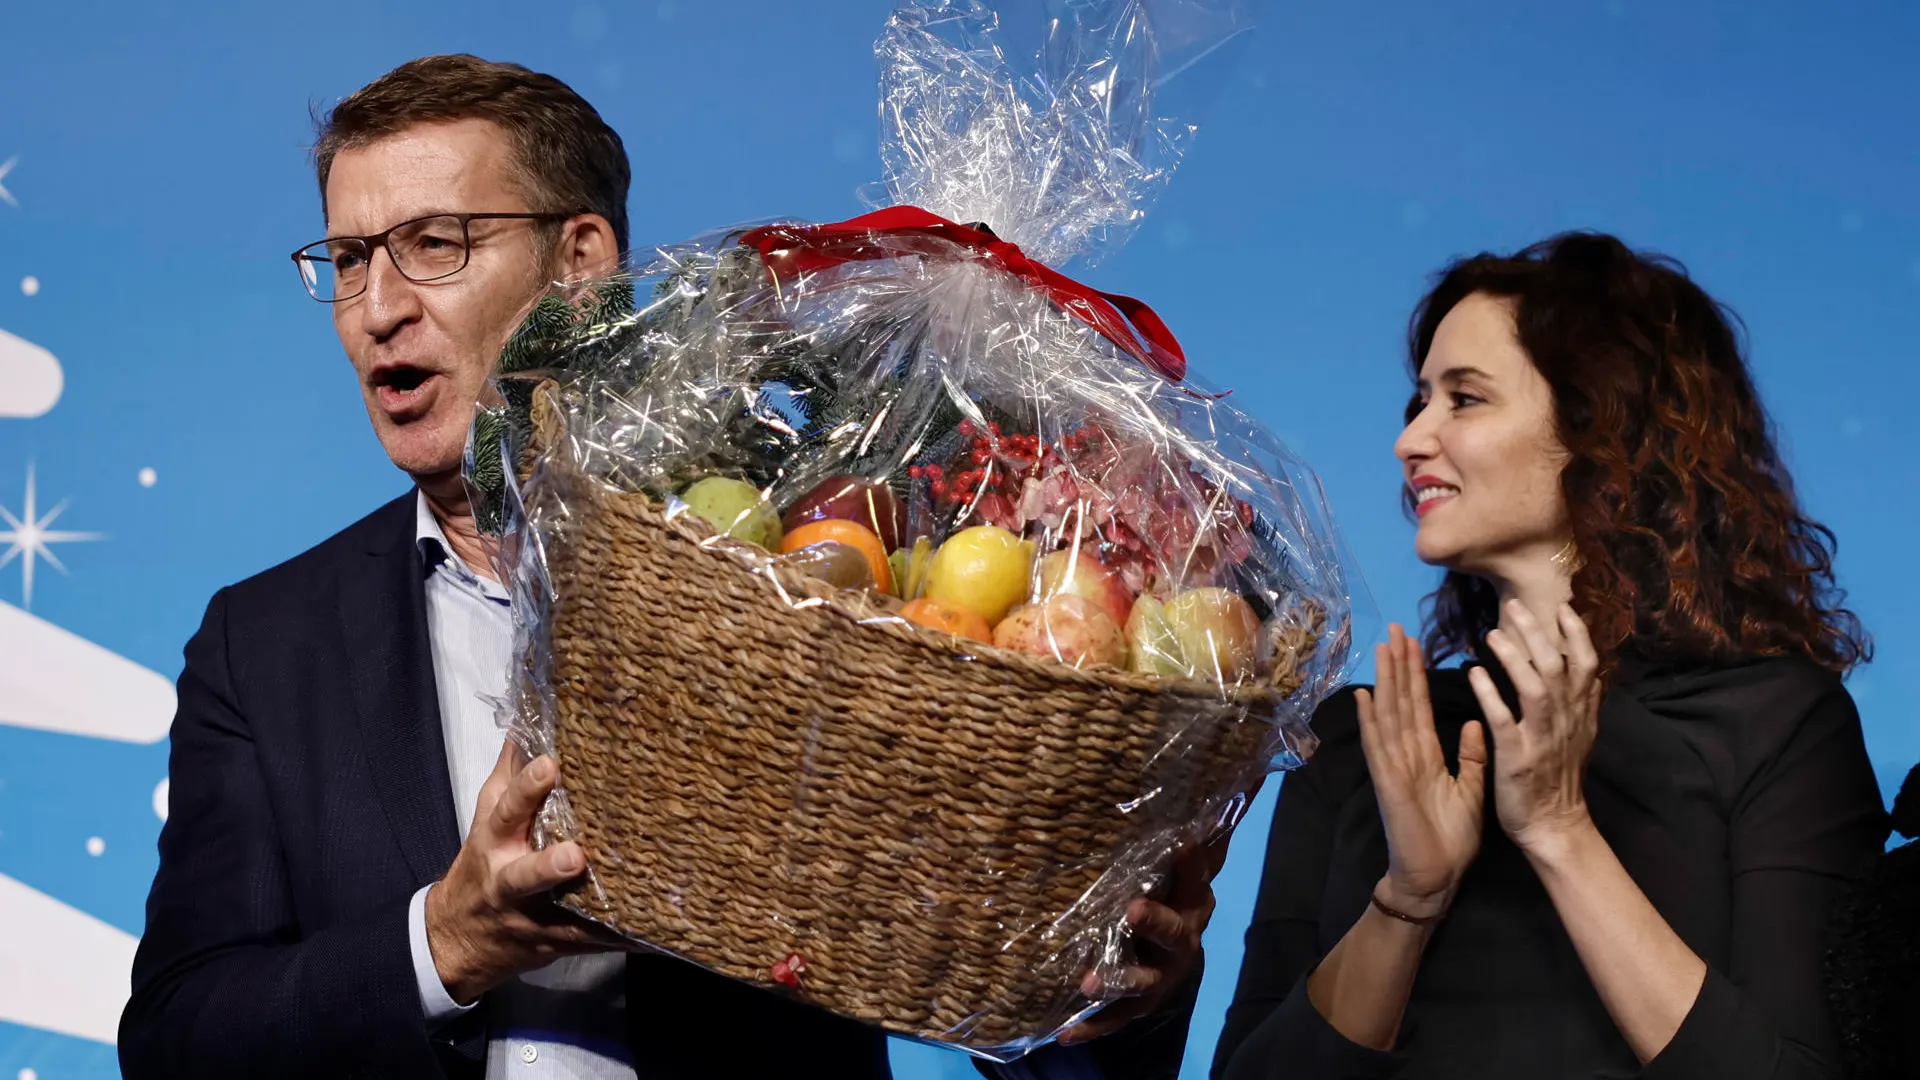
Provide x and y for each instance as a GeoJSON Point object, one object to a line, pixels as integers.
{"type": "Point", "coordinates": [1608, 848]}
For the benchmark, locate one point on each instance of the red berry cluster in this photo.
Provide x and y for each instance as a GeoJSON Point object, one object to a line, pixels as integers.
{"type": "Point", "coordinates": [1013, 479]}
{"type": "Point", "coordinates": [989, 472]}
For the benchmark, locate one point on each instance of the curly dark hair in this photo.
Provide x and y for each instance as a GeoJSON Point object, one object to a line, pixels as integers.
{"type": "Point", "coordinates": [1690, 543]}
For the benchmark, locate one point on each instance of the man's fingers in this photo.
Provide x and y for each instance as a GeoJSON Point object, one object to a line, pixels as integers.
{"type": "Point", "coordinates": [1159, 924]}
{"type": "Point", "coordinates": [541, 870]}
{"type": "Point", "coordinates": [523, 797]}
{"type": "Point", "coordinates": [495, 783]}
{"type": "Point", "coordinates": [1190, 876]}
{"type": "Point", "coordinates": [1127, 982]}
{"type": "Point", "coordinates": [1101, 1024]}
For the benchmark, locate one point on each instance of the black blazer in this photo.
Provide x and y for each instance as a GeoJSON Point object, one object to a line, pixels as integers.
{"type": "Point", "coordinates": [309, 800]}
{"type": "Point", "coordinates": [1739, 798]}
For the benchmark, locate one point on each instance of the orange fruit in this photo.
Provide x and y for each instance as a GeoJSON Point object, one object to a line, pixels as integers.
{"type": "Point", "coordinates": [954, 619]}
{"type": "Point", "coordinates": [851, 533]}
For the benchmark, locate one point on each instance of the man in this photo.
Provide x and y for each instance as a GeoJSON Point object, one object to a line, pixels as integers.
{"type": "Point", "coordinates": [317, 911]}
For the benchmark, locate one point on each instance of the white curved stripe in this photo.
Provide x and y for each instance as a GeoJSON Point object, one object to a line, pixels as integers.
{"type": "Point", "coordinates": [67, 971]}
{"type": "Point", "coordinates": [30, 378]}
{"type": "Point", "coordinates": [54, 680]}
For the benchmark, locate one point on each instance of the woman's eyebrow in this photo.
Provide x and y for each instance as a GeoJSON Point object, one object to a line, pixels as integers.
{"type": "Point", "coordinates": [1455, 375]}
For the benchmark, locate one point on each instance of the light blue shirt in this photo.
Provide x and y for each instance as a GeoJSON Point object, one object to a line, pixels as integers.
{"type": "Point", "coordinates": [567, 1019]}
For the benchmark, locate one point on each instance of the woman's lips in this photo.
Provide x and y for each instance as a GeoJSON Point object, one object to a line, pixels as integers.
{"type": "Point", "coordinates": [1429, 492]}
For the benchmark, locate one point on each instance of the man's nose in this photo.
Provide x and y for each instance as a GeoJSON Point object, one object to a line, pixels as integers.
{"type": "Point", "coordinates": [391, 300]}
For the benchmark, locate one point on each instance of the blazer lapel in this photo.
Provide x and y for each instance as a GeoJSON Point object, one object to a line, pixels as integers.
{"type": "Point", "coordinates": [383, 617]}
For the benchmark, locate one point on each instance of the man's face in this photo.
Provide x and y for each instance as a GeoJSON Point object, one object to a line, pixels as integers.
{"type": "Point", "coordinates": [423, 351]}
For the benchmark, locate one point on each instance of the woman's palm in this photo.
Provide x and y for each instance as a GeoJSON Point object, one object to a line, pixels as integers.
{"type": "Point", "coordinates": [1432, 817]}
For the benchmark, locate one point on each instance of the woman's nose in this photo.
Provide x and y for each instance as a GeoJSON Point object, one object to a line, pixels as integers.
{"type": "Point", "coordinates": [1416, 441]}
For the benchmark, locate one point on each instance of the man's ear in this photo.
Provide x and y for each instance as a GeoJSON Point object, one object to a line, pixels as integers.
{"type": "Point", "coordinates": [586, 249]}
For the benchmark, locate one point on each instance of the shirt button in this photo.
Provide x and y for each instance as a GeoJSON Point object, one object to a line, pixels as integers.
{"type": "Point", "coordinates": [529, 1053]}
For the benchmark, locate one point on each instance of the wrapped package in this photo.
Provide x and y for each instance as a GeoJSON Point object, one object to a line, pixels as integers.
{"type": "Point", "coordinates": [895, 605]}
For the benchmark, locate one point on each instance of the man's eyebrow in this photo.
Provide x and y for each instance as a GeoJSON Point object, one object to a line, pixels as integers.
{"type": "Point", "coordinates": [331, 235]}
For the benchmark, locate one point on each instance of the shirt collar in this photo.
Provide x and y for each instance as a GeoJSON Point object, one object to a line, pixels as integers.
{"type": "Point", "coordinates": [439, 557]}
{"type": "Point", "coordinates": [427, 535]}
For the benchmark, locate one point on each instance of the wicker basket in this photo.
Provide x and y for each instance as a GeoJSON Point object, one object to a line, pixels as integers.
{"type": "Point", "coordinates": [933, 832]}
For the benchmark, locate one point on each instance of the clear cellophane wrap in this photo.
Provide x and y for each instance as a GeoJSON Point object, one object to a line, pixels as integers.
{"type": "Point", "coordinates": [895, 605]}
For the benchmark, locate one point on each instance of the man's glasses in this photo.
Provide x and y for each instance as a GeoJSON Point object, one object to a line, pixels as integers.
{"type": "Point", "coordinates": [424, 249]}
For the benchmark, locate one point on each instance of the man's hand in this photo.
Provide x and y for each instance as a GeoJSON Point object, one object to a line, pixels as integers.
{"type": "Point", "coordinates": [489, 919]}
{"type": "Point", "coordinates": [1166, 936]}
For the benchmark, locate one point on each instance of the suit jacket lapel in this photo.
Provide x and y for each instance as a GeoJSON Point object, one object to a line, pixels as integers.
{"type": "Point", "coordinates": [383, 617]}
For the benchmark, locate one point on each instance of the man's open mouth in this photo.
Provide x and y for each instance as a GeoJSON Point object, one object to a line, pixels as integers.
{"type": "Point", "coordinates": [402, 378]}
{"type": "Point", "coordinates": [403, 389]}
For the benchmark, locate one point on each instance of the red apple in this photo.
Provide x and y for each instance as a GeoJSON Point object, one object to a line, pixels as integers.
{"type": "Point", "coordinates": [1071, 629]}
{"type": "Point", "coordinates": [1077, 572]}
{"type": "Point", "coordinates": [853, 498]}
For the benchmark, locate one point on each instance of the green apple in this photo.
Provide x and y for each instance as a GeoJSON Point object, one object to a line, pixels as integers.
{"type": "Point", "coordinates": [736, 508]}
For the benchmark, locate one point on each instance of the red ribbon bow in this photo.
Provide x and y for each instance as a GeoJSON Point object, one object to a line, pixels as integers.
{"type": "Point", "coordinates": [788, 250]}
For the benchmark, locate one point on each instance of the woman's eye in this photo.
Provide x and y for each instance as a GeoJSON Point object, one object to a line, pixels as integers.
{"type": "Point", "coordinates": [1462, 399]}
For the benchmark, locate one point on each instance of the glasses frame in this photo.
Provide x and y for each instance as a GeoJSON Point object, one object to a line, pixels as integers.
{"type": "Point", "coordinates": [379, 240]}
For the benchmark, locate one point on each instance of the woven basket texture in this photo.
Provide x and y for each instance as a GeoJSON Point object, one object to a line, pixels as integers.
{"type": "Point", "coordinates": [948, 833]}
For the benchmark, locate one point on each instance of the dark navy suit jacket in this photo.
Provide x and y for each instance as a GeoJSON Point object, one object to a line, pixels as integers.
{"type": "Point", "coordinates": [309, 799]}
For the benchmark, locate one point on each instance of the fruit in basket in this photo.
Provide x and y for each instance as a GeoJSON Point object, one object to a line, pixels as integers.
{"type": "Point", "coordinates": [918, 559]}
{"type": "Point", "coordinates": [1152, 649]}
{"type": "Point", "coordinates": [734, 507]}
{"type": "Point", "coordinates": [1219, 634]}
{"type": "Point", "coordinates": [1071, 629]}
{"type": "Point", "coordinates": [899, 564]}
{"type": "Point", "coordinates": [839, 565]}
{"type": "Point", "coordinates": [853, 498]}
{"type": "Point", "coordinates": [852, 534]}
{"type": "Point", "coordinates": [984, 568]}
{"type": "Point", "coordinates": [952, 618]}
{"type": "Point", "coordinates": [1076, 571]}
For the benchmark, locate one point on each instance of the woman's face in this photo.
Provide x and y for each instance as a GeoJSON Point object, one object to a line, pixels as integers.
{"type": "Point", "coordinates": [1480, 453]}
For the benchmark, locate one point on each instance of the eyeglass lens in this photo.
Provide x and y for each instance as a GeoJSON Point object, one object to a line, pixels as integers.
{"type": "Point", "coordinates": [423, 250]}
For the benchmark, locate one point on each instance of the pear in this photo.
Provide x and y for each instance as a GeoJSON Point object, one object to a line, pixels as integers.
{"type": "Point", "coordinates": [736, 508]}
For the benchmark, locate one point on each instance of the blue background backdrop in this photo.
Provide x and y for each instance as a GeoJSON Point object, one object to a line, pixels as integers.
{"type": "Point", "coordinates": [162, 178]}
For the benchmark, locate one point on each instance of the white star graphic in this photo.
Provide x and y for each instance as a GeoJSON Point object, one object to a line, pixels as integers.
{"type": "Point", "coordinates": [4, 193]}
{"type": "Point", "coordinates": [30, 537]}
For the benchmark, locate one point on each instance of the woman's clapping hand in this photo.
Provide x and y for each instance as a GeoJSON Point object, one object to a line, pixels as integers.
{"type": "Point", "coordinates": [1541, 757]}
{"type": "Point", "coordinates": [1432, 817]}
